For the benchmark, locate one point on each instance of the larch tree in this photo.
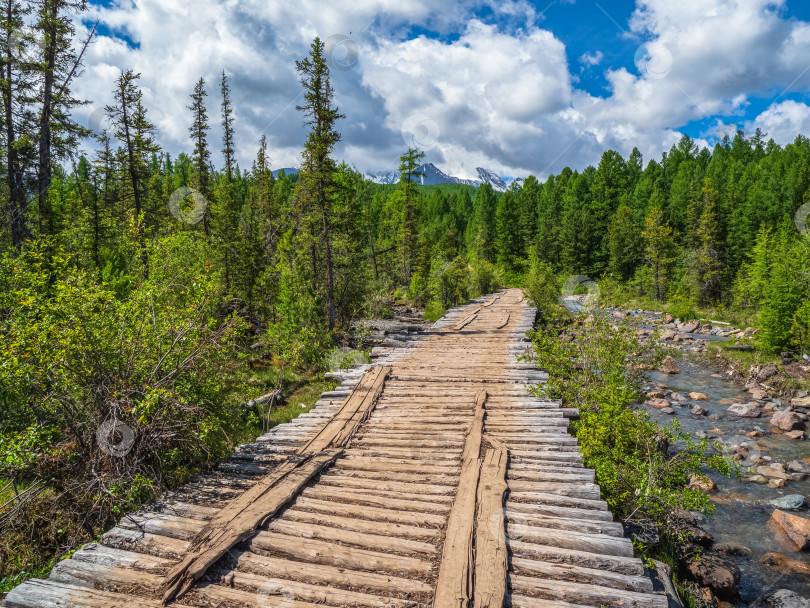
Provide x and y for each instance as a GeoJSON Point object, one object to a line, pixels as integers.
{"type": "Point", "coordinates": [316, 188]}
{"type": "Point", "coordinates": [660, 251]}
{"type": "Point", "coordinates": [58, 64]}
{"type": "Point", "coordinates": [227, 127]}
{"type": "Point", "coordinates": [409, 174]}
{"type": "Point", "coordinates": [202, 155]}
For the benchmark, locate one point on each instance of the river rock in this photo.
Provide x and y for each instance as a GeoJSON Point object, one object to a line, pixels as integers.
{"type": "Point", "coordinates": [795, 435]}
{"type": "Point", "coordinates": [731, 549]}
{"type": "Point", "coordinates": [668, 334]}
{"type": "Point", "coordinates": [787, 421]}
{"type": "Point", "coordinates": [668, 318]}
{"type": "Point", "coordinates": [669, 366]}
{"type": "Point", "coordinates": [718, 574]}
{"type": "Point", "coordinates": [797, 528]}
{"type": "Point", "coordinates": [659, 403]}
{"type": "Point", "coordinates": [698, 397]}
{"type": "Point", "coordinates": [755, 478]}
{"type": "Point", "coordinates": [758, 394]}
{"type": "Point", "coordinates": [745, 410]}
{"type": "Point", "coordinates": [790, 502]}
{"type": "Point", "coordinates": [783, 598]}
{"type": "Point", "coordinates": [767, 371]}
{"type": "Point", "coordinates": [776, 483]}
{"type": "Point", "coordinates": [678, 397]}
{"type": "Point", "coordinates": [754, 434]}
{"type": "Point", "coordinates": [688, 328]}
{"type": "Point", "coordinates": [800, 402]}
{"type": "Point", "coordinates": [704, 484]}
{"type": "Point", "coordinates": [655, 394]}
{"type": "Point", "coordinates": [772, 472]}
{"type": "Point", "coordinates": [798, 466]}
{"type": "Point", "coordinates": [699, 410]}
{"type": "Point", "coordinates": [785, 564]}
{"type": "Point", "coordinates": [667, 410]}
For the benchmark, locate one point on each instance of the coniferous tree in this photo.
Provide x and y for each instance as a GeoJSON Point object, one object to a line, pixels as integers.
{"type": "Point", "coordinates": [409, 175]}
{"type": "Point", "coordinates": [707, 262]}
{"type": "Point", "coordinates": [316, 188]}
{"type": "Point", "coordinates": [227, 127]}
{"type": "Point", "coordinates": [128, 117]}
{"type": "Point", "coordinates": [58, 133]}
{"type": "Point", "coordinates": [202, 155]}
{"type": "Point", "coordinates": [659, 250]}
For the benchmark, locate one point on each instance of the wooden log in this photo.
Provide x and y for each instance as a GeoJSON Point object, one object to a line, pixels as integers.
{"type": "Point", "coordinates": [579, 574]}
{"type": "Point", "coordinates": [560, 555]}
{"type": "Point", "coordinates": [37, 593]}
{"type": "Point", "coordinates": [236, 522]}
{"type": "Point", "coordinates": [328, 553]}
{"type": "Point", "coordinates": [583, 595]}
{"type": "Point", "coordinates": [454, 587]}
{"type": "Point", "coordinates": [316, 507]}
{"type": "Point", "coordinates": [491, 553]}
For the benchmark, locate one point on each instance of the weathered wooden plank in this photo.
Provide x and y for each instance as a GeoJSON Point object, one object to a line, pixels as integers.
{"type": "Point", "coordinates": [454, 586]}
{"type": "Point", "coordinates": [491, 553]}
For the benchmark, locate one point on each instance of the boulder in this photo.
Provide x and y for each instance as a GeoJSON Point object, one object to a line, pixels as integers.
{"type": "Point", "coordinates": [668, 334]}
{"type": "Point", "coordinates": [718, 574]}
{"type": "Point", "coordinates": [798, 466]}
{"type": "Point", "coordinates": [669, 366]}
{"type": "Point", "coordinates": [699, 410]}
{"type": "Point", "coordinates": [755, 478]}
{"type": "Point", "coordinates": [767, 371]}
{"type": "Point", "coordinates": [667, 410]}
{"type": "Point", "coordinates": [776, 483]}
{"type": "Point", "coordinates": [800, 402]}
{"type": "Point", "coordinates": [783, 598]}
{"type": "Point", "coordinates": [731, 549]}
{"type": "Point", "coordinates": [659, 403]}
{"type": "Point", "coordinates": [704, 484]}
{"type": "Point", "coordinates": [797, 528]}
{"type": "Point", "coordinates": [774, 473]}
{"type": "Point", "coordinates": [745, 410]}
{"type": "Point", "coordinates": [787, 421]}
{"type": "Point", "coordinates": [678, 397]}
{"type": "Point", "coordinates": [688, 328]}
{"type": "Point", "coordinates": [785, 564]}
{"type": "Point", "coordinates": [790, 502]}
{"type": "Point", "coordinates": [698, 397]}
{"type": "Point", "coordinates": [795, 435]}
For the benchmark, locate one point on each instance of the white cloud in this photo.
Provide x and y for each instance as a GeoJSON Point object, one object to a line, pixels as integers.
{"type": "Point", "coordinates": [782, 121]}
{"type": "Point", "coordinates": [590, 59]}
{"type": "Point", "coordinates": [502, 97]}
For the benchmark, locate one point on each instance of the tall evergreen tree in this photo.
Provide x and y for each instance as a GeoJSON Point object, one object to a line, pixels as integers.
{"type": "Point", "coordinates": [227, 127]}
{"type": "Point", "coordinates": [316, 188]}
{"type": "Point", "coordinates": [659, 250]}
{"type": "Point", "coordinates": [409, 175]}
{"type": "Point", "coordinates": [202, 155]}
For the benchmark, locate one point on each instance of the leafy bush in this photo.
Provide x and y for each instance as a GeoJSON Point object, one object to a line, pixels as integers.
{"type": "Point", "coordinates": [599, 370]}
{"type": "Point", "coordinates": [106, 398]}
{"type": "Point", "coordinates": [683, 308]}
{"type": "Point", "coordinates": [544, 288]}
{"type": "Point", "coordinates": [485, 279]}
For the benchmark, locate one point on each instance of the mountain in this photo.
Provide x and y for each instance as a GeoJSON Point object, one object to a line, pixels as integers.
{"type": "Point", "coordinates": [435, 176]}
{"type": "Point", "coordinates": [287, 171]}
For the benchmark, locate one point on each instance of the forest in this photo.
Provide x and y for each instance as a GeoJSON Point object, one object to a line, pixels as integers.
{"type": "Point", "coordinates": [137, 287]}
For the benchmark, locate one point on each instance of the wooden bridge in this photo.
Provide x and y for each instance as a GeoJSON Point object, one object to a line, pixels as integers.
{"type": "Point", "coordinates": [429, 479]}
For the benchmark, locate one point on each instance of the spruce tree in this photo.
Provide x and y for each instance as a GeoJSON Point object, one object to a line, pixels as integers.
{"type": "Point", "coordinates": [660, 249]}
{"type": "Point", "coordinates": [409, 175]}
{"type": "Point", "coordinates": [227, 127]}
{"type": "Point", "coordinates": [316, 187]}
{"type": "Point", "coordinates": [202, 155]}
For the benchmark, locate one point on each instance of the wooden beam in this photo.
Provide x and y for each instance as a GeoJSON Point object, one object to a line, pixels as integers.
{"type": "Point", "coordinates": [491, 554]}
{"type": "Point", "coordinates": [454, 588]}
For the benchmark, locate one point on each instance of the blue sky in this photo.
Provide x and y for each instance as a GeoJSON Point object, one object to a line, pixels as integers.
{"type": "Point", "coordinates": [518, 87]}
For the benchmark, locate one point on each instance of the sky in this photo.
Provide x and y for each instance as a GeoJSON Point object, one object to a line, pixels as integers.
{"type": "Point", "coordinates": [521, 88]}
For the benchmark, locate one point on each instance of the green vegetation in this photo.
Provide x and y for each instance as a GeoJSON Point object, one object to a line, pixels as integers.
{"type": "Point", "coordinates": [597, 367]}
{"type": "Point", "coordinates": [145, 299]}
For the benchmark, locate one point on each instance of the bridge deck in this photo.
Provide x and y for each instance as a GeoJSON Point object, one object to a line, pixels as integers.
{"type": "Point", "coordinates": [437, 481]}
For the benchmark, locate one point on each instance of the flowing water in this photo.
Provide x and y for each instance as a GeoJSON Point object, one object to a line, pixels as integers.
{"type": "Point", "coordinates": [743, 509]}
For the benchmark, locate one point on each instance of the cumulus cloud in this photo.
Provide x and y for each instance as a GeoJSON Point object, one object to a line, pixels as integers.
{"type": "Point", "coordinates": [500, 96]}
{"type": "Point", "coordinates": [590, 59]}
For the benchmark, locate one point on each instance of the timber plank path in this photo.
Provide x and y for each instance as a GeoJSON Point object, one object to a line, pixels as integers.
{"type": "Point", "coordinates": [429, 479]}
